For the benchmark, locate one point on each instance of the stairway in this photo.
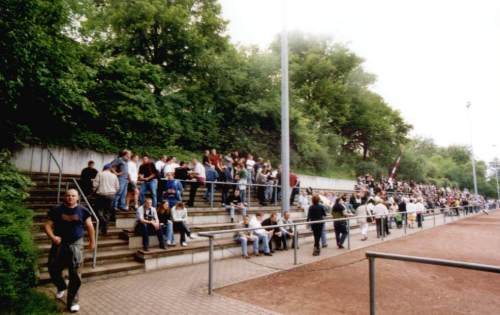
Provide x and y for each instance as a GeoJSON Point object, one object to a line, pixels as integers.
{"type": "Point", "coordinates": [119, 252]}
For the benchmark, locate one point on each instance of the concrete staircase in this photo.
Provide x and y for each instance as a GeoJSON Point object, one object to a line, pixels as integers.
{"type": "Point", "coordinates": [120, 253]}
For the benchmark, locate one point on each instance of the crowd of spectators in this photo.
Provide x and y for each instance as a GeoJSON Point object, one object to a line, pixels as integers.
{"type": "Point", "coordinates": [154, 189]}
{"type": "Point", "coordinates": [144, 185]}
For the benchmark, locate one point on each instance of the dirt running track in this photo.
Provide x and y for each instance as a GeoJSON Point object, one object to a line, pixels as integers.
{"type": "Point", "coordinates": [339, 285]}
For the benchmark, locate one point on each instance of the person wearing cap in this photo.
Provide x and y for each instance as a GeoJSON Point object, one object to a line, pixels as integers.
{"type": "Point", "coordinates": [105, 185]}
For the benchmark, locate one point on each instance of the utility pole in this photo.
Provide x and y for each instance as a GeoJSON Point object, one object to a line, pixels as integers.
{"type": "Point", "coordinates": [474, 178]}
{"type": "Point", "coordinates": [285, 128]}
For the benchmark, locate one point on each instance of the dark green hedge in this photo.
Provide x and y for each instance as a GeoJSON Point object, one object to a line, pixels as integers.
{"type": "Point", "coordinates": [17, 250]}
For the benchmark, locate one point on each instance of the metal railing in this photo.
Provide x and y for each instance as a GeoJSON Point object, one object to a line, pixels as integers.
{"type": "Point", "coordinates": [247, 190]}
{"type": "Point", "coordinates": [211, 235]}
{"type": "Point", "coordinates": [89, 206]}
{"type": "Point", "coordinates": [53, 158]}
{"type": "Point", "coordinates": [421, 260]}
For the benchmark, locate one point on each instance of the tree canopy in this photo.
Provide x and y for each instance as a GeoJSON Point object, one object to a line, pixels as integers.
{"type": "Point", "coordinates": [163, 76]}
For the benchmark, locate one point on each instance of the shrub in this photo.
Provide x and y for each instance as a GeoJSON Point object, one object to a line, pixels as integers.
{"type": "Point", "coordinates": [17, 251]}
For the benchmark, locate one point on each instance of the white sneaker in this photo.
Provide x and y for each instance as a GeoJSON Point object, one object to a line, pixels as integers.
{"type": "Point", "coordinates": [169, 243]}
{"type": "Point", "coordinates": [74, 308]}
{"type": "Point", "coordinates": [193, 236]}
{"type": "Point", "coordinates": [184, 244]}
{"type": "Point", "coordinates": [60, 294]}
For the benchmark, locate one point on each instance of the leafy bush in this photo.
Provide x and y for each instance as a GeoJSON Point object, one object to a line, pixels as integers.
{"type": "Point", "coordinates": [17, 251]}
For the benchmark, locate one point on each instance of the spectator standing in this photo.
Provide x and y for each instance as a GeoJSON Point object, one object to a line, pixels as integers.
{"type": "Point", "coordinates": [86, 177]}
{"type": "Point", "coordinates": [182, 173]}
{"type": "Point", "coordinates": [147, 223]}
{"type": "Point", "coordinates": [365, 213]}
{"type": "Point", "coordinates": [211, 175]}
{"type": "Point", "coordinates": [316, 212]}
{"type": "Point", "coordinates": [133, 177]}
{"type": "Point", "coordinates": [105, 185]}
{"type": "Point", "coordinates": [420, 208]}
{"type": "Point", "coordinates": [261, 180]}
{"type": "Point", "coordinates": [148, 175]}
{"type": "Point", "coordinates": [411, 209]}
{"type": "Point", "coordinates": [65, 228]}
{"type": "Point", "coordinates": [197, 176]}
{"type": "Point", "coordinates": [120, 169]}
{"type": "Point", "coordinates": [304, 201]}
{"type": "Point", "coordinates": [340, 211]}
{"type": "Point", "coordinates": [380, 210]}
{"type": "Point", "coordinates": [295, 187]}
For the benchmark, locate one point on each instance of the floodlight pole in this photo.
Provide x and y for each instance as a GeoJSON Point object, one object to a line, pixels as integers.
{"type": "Point", "coordinates": [285, 128]}
{"type": "Point", "coordinates": [472, 153]}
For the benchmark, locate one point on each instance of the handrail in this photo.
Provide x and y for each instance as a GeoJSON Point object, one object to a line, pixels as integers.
{"type": "Point", "coordinates": [52, 157]}
{"type": "Point", "coordinates": [94, 256]}
{"type": "Point", "coordinates": [211, 234]}
{"type": "Point", "coordinates": [421, 260]}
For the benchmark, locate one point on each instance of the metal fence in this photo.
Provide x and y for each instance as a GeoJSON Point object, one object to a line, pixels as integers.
{"type": "Point", "coordinates": [456, 211]}
{"type": "Point", "coordinates": [421, 260]}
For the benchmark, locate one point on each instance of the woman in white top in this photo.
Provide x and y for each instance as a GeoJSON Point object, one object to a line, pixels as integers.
{"type": "Point", "coordinates": [364, 211]}
{"type": "Point", "coordinates": [180, 217]}
{"type": "Point", "coordinates": [411, 209]}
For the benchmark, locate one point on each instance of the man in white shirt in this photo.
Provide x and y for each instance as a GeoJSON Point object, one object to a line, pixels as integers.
{"type": "Point", "coordinates": [380, 210]}
{"type": "Point", "coordinates": [304, 203]}
{"type": "Point", "coordinates": [106, 186]}
{"type": "Point", "coordinates": [411, 209]}
{"type": "Point", "coordinates": [261, 233]}
{"type": "Point", "coordinates": [160, 163]}
{"type": "Point", "coordinates": [420, 208]}
{"type": "Point", "coordinates": [198, 177]}
{"type": "Point", "coordinates": [148, 224]}
{"type": "Point", "coordinates": [133, 175]}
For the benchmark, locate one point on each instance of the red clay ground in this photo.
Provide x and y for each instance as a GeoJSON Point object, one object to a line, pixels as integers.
{"type": "Point", "coordinates": [339, 285]}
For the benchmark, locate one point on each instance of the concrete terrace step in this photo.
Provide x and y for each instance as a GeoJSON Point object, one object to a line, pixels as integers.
{"type": "Point", "coordinates": [103, 272]}
{"type": "Point", "coordinates": [103, 258]}
{"type": "Point", "coordinates": [197, 252]}
{"type": "Point", "coordinates": [111, 244]}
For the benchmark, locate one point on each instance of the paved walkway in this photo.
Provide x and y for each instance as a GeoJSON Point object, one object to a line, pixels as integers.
{"type": "Point", "coordinates": [184, 290]}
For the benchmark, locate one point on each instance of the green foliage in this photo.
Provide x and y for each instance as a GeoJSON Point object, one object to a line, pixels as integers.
{"type": "Point", "coordinates": [17, 252]}
{"type": "Point", "coordinates": [423, 161]}
{"type": "Point", "coordinates": [162, 77]}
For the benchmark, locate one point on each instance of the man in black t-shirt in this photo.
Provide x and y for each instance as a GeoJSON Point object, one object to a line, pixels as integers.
{"type": "Point", "coordinates": [148, 174]}
{"type": "Point", "coordinates": [65, 227]}
{"type": "Point", "coordinates": [86, 177]}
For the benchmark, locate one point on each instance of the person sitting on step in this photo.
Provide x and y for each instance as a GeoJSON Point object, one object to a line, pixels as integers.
{"type": "Point", "coordinates": [235, 203]}
{"type": "Point", "coordinates": [180, 217]}
{"type": "Point", "coordinates": [166, 222]}
{"type": "Point", "coordinates": [148, 224]}
{"type": "Point", "coordinates": [243, 237]}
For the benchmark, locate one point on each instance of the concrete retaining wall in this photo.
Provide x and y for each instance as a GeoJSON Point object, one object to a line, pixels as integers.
{"type": "Point", "coordinates": [35, 159]}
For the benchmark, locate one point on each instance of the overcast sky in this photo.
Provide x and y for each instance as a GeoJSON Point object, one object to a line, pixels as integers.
{"type": "Point", "coordinates": [430, 56]}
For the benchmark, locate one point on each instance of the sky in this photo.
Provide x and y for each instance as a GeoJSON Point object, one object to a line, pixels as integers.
{"type": "Point", "coordinates": [430, 57]}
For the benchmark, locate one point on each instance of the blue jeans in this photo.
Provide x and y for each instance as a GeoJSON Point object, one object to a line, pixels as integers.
{"type": "Point", "coordinates": [121, 194]}
{"type": "Point", "coordinates": [145, 230]}
{"type": "Point", "coordinates": [152, 186]}
{"type": "Point", "coordinates": [243, 240]}
{"type": "Point", "coordinates": [232, 209]}
{"type": "Point", "coordinates": [168, 232]}
{"type": "Point", "coordinates": [209, 192]}
{"type": "Point", "coordinates": [323, 237]}
{"type": "Point", "coordinates": [263, 239]}
{"type": "Point", "coordinates": [243, 193]}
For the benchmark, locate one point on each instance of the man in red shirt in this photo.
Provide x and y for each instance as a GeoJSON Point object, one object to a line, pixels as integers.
{"type": "Point", "coordinates": [295, 185]}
